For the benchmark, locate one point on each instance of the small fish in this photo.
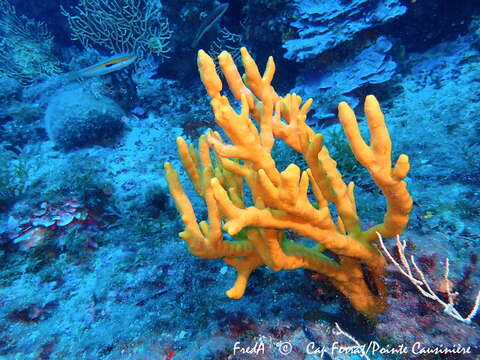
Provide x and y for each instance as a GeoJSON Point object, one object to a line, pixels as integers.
{"type": "Point", "coordinates": [209, 21]}
{"type": "Point", "coordinates": [106, 66]}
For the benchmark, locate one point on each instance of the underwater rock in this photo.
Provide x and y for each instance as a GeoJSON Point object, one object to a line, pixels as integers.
{"type": "Point", "coordinates": [77, 118]}
{"type": "Point", "coordinates": [322, 25]}
{"type": "Point", "coordinates": [344, 80]}
{"type": "Point", "coordinates": [10, 89]}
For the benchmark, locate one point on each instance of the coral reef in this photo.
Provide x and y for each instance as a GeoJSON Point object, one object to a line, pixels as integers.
{"type": "Point", "coordinates": [32, 230]}
{"type": "Point", "coordinates": [26, 47]}
{"type": "Point", "coordinates": [281, 199]}
{"type": "Point", "coordinates": [121, 26]}
{"type": "Point", "coordinates": [91, 263]}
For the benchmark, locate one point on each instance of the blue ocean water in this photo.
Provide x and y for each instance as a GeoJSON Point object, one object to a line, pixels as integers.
{"type": "Point", "coordinates": [125, 220]}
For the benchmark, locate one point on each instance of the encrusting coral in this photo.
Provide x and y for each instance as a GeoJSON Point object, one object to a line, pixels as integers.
{"type": "Point", "coordinates": [282, 200]}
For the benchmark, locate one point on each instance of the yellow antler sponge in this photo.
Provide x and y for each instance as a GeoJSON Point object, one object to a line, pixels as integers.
{"type": "Point", "coordinates": [281, 198]}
